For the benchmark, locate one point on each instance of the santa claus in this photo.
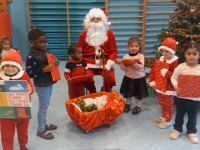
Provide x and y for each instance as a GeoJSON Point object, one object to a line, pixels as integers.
{"type": "Point", "coordinates": [99, 48]}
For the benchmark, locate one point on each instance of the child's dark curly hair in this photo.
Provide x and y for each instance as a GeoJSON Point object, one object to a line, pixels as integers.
{"type": "Point", "coordinates": [181, 58]}
{"type": "Point", "coordinates": [72, 48]}
{"type": "Point", "coordinates": [137, 40]}
{"type": "Point", "coordinates": [35, 33]}
{"type": "Point", "coordinates": [4, 39]}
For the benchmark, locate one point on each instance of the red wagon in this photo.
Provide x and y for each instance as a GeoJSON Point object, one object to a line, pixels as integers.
{"type": "Point", "coordinates": [104, 116]}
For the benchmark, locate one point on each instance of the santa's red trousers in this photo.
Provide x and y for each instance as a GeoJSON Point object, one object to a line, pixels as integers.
{"type": "Point", "coordinates": [8, 130]}
{"type": "Point", "coordinates": [76, 89]}
{"type": "Point", "coordinates": [167, 106]}
{"type": "Point", "coordinates": [109, 79]}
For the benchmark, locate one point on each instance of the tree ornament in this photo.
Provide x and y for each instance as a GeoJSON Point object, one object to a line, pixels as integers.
{"type": "Point", "coordinates": [173, 1]}
{"type": "Point", "coordinates": [176, 9]}
{"type": "Point", "coordinates": [192, 10]}
{"type": "Point", "coordinates": [170, 20]}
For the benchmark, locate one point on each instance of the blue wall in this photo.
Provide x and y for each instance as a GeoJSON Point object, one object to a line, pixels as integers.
{"type": "Point", "coordinates": [20, 29]}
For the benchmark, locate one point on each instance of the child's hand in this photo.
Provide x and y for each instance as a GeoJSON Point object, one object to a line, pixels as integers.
{"type": "Point", "coordinates": [119, 61]}
{"type": "Point", "coordinates": [177, 89]}
{"type": "Point", "coordinates": [48, 68]}
{"type": "Point", "coordinates": [132, 61]}
{"type": "Point", "coordinates": [69, 80]}
{"type": "Point", "coordinates": [28, 88]}
{"type": "Point", "coordinates": [56, 62]}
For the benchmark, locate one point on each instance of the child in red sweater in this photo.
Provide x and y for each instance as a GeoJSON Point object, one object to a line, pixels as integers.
{"type": "Point", "coordinates": [11, 66]}
{"type": "Point", "coordinates": [163, 69]}
{"type": "Point", "coordinates": [75, 67]}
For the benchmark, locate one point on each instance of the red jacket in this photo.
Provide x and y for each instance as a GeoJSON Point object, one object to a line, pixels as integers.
{"type": "Point", "coordinates": [109, 47]}
{"type": "Point", "coordinates": [173, 63]}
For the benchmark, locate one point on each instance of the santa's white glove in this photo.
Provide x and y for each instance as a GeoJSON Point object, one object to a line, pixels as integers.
{"type": "Point", "coordinates": [109, 64]}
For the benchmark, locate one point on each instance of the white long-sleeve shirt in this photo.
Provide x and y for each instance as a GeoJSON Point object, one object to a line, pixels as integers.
{"type": "Point", "coordinates": [184, 69]}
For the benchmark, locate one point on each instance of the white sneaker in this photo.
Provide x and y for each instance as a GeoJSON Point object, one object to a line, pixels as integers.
{"type": "Point", "coordinates": [159, 119]}
{"type": "Point", "coordinates": [193, 138]}
{"type": "Point", "coordinates": [174, 135]}
{"type": "Point", "coordinates": [164, 125]}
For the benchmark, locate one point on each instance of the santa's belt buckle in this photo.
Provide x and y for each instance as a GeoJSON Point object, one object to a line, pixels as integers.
{"type": "Point", "coordinates": [97, 57]}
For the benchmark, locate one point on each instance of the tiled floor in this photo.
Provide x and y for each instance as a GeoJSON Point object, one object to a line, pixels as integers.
{"type": "Point", "coordinates": [129, 132]}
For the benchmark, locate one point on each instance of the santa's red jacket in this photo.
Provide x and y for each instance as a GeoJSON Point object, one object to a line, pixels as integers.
{"type": "Point", "coordinates": [109, 47]}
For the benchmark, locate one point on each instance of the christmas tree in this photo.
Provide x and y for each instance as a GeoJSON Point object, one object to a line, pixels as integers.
{"type": "Point", "coordinates": [184, 26]}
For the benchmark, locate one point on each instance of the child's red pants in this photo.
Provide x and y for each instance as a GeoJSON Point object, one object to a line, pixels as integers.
{"type": "Point", "coordinates": [8, 130]}
{"type": "Point", "coordinates": [167, 106]}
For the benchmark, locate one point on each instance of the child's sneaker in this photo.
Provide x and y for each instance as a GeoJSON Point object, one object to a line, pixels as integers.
{"type": "Point", "coordinates": [174, 135]}
{"type": "Point", "coordinates": [193, 138]}
{"type": "Point", "coordinates": [164, 125]}
{"type": "Point", "coordinates": [159, 119]}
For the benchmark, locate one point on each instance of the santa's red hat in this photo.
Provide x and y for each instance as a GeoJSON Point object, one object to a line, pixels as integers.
{"type": "Point", "coordinates": [12, 58]}
{"type": "Point", "coordinates": [169, 44]}
{"type": "Point", "coordinates": [97, 13]}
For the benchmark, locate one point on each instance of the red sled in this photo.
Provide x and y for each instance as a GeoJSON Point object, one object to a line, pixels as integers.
{"type": "Point", "coordinates": [103, 116]}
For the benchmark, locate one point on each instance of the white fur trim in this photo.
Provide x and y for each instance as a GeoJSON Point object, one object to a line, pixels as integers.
{"type": "Point", "coordinates": [94, 66]}
{"type": "Point", "coordinates": [168, 61]}
{"type": "Point", "coordinates": [17, 76]}
{"type": "Point", "coordinates": [153, 83]}
{"type": "Point", "coordinates": [167, 49]}
{"type": "Point", "coordinates": [67, 70]}
{"type": "Point", "coordinates": [163, 72]}
{"type": "Point", "coordinates": [97, 13]}
{"type": "Point", "coordinates": [11, 63]}
{"type": "Point", "coordinates": [167, 92]}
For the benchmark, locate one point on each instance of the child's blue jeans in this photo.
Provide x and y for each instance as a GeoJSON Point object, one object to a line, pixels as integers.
{"type": "Point", "coordinates": [44, 95]}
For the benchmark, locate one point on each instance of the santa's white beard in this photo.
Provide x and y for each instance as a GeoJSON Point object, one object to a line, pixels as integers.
{"type": "Point", "coordinates": [96, 33]}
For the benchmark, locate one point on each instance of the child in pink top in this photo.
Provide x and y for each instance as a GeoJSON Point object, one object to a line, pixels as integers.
{"type": "Point", "coordinates": [134, 81]}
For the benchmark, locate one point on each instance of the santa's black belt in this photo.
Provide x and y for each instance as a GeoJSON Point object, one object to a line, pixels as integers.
{"type": "Point", "coordinates": [95, 56]}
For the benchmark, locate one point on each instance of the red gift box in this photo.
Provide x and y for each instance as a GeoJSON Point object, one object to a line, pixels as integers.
{"type": "Point", "coordinates": [160, 81]}
{"type": "Point", "coordinates": [82, 78]}
{"type": "Point", "coordinates": [189, 86]}
{"type": "Point", "coordinates": [55, 74]}
{"type": "Point", "coordinates": [128, 63]}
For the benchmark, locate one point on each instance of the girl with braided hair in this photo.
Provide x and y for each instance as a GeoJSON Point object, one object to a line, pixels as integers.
{"type": "Point", "coordinates": [38, 68]}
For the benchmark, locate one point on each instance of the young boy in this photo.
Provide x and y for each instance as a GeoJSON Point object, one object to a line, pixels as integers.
{"type": "Point", "coordinates": [11, 66]}
{"type": "Point", "coordinates": [159, 79]}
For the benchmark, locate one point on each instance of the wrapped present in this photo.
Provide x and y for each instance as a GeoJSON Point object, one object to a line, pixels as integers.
{"type": "Point", "coordinates": [82, 78]}
{"type": "Point", "coordinates": [189, 86]}
{"type": "Point", "coordinates": [126, 62]}
{"type": "Point", "coordinates": [160, 81]}
{"type": "Point", "coordinates": [137, 61]}
{"type": "Point", "coordinates": [55, 74]}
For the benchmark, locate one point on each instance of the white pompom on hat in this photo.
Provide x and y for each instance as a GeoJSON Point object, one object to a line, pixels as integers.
{"type": "Point", "coordinates": [169, 44]}
{"type": "Point", "coordinates": [97, 13]}
{"type": "Point", "coordinates": [12, 58]}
